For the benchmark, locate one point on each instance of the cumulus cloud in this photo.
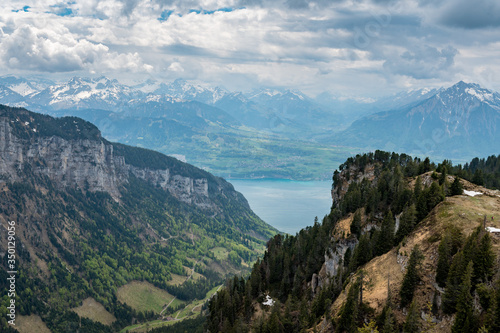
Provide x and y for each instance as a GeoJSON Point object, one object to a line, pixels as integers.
{"type": "Point", "coordinates": [44, 50]}
{"type": "Point", "coordinates": [423, 62]}
{"type": "Point", "coordinates": [58, 50]}
{"type": "Point", "coordinates": [176, 67]}
{"type": "Point", "coordinates": [471, 14]}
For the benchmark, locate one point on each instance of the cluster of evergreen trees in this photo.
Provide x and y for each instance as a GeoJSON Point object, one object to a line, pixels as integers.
{"type": "Point", "coordinates": [286, 270]}
{"type": "Point", "coordinates": [466, 269]}
{"type": "Point", "coordinates": [484, 171]}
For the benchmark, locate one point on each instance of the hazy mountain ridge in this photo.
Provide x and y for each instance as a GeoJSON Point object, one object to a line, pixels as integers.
{"type": "Point", "coordinates": [214, 128]}
{"type": "Point", "coordinates": [236, 136]}
{"type": "Point", "coordinates": [457, 123]}
{"type": "Point", "coordinates": [106, 94]}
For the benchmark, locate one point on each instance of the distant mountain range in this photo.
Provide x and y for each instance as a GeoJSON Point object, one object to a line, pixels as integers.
{"type": "Point", "coordinates": [269, 132]}
{"type": "Point", "coordinates": [262, 109]}
{"type": "Point", "coordinates": [458, 123]}
{"type": "Point", "coordinates": [281, 111]}
{"type": "Point", "coordinates": [232, 134]}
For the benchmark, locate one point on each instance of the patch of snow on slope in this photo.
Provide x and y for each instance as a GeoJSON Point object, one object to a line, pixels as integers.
{"type": "Point", "coordinates": [22, 89]}
{"type": "Point", "coordinates": [19, 104]}
{"type": "Point", "coordinates": [269, 301]}
{"type": "Point", "coordinates": [472, 193]}
{"type": "Point", "coordinates": [83, 95]}
{"type": "Point", "coordinates": [424, 91]}
{"type": "Point", "coordinates": [481, 96]}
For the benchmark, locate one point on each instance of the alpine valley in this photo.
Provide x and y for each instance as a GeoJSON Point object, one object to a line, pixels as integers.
{"type": "Point", "coordinates": [108, 235]}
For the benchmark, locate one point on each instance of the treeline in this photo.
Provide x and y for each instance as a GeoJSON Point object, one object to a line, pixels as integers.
{"type": "Point", "coordinates": [191, 290]}
{"type": "Point", "coordinates": [484, 171]}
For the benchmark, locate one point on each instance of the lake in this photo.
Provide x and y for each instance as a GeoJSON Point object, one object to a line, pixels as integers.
{"type": "Point", "coordinates": [287, 205]}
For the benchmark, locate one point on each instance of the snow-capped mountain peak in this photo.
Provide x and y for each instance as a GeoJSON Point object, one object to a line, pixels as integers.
{"type": "Point", "coordinates": [78, 92]}
{"type": "Point", "coordinates": [23, 86]}
{"type": "Point", "coordinates": [185, 90]}
{"type": "Point", "coordinates": [469, 93]}
{"type": "Point", "coordinates": [269, 93]}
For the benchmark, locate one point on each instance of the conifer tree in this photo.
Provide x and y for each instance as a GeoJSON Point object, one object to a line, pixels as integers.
{"type": "Point", "coordinates": [389, 323]}
{"type": "Point", "coordinates": [356, 224]}
{"type": "Point", "coordinates": [483, 259]}
{"type": "Point", "coordinates": [347, 257]}
{"type": "Point", "coordinates": [435, 196]}
{"type": "Point", "coordinates": [412, 323]}
{"type": "Point", "coordinates": [425, 166]}
{"type": "Point", "coordinates": [274, 323]}
{"type": "Point", "coordinates": [411, 277]}
{"type": "Point", "coordinates": [496, 321]}
{"type": "Point", "coordinates": [407, 222]}
{"type": "Point", "coordinates": [421, 205]}
{"type": "Point", "coordinates": [418, 188]}
{"type": "Point", "coordinates": [444, 260]}
{"type": "Point", "coordinates": [362, 253]}
{"type": "Point", "coordinates": [456, 187]}
{"type": "Point", "coordinates": [304, 314]}
{"type": "Point", "coordinates": [443, 176]}
{"type": "Point", "coordinates": [478, 177]}
{"type": "Point", "coordinates": [453, 282]}
{"type": "Point", "coordinates": [287, 317]}
{"type": "Point", "coordinates": [385, 241]}
{"type": "Point", "coordinates": [465, 320]}
{"type": "Point", "coordinates": [349, 312]}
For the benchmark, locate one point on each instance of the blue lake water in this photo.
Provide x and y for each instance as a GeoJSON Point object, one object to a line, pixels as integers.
{"type": "Point", "coordinates": [285, 204]}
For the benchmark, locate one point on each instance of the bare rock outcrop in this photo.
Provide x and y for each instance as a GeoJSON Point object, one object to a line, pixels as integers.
{"type": "Point", "coordinates": [91, 165]}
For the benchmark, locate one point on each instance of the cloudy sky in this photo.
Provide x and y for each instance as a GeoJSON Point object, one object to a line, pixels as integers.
{"type": "Point", "coordinates": [349, 48]}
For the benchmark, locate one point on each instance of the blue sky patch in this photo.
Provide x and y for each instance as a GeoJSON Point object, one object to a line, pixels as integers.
{"type": "Point", "coordinates": [209, 12]}
{"type": "Point", "coordinates": [165, 15]}
{"type": "Point", "coordinates": [25, 9]}
{"type": "Point", "coordinates": [62, 10]}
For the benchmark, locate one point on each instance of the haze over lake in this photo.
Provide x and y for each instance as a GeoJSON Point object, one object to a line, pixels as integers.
{"type": "Point", "coordinates": [285, 204]}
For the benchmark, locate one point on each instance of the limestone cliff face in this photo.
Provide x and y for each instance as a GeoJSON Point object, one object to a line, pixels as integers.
{"type": "Point", "coordinates": [186, 189]}
{"type": "Point", "coordinates": [92, 165]}
{"type": "Point", "coordinates": [349, 175]}
{"type": "Point", "coordinates": [340, 245]}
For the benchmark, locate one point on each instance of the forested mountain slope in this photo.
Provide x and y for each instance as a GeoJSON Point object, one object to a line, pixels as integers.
{"type": "Point", "coordinates": [92, 216]}
{"type": "Point", "coordinates": [402, 242]}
